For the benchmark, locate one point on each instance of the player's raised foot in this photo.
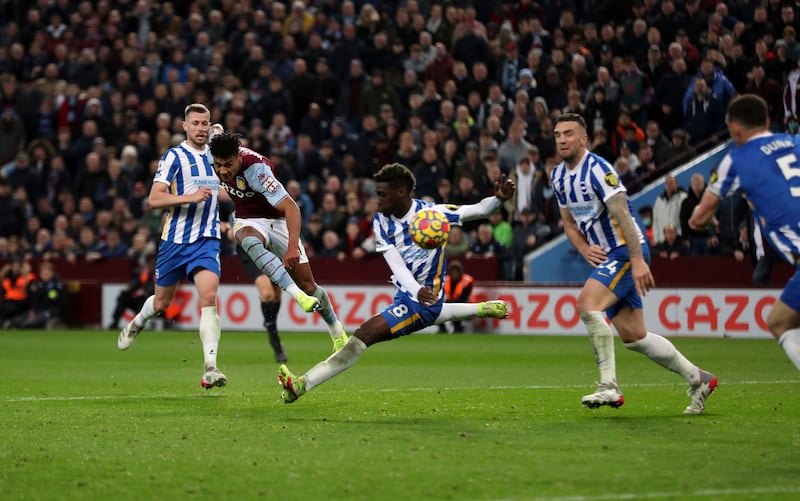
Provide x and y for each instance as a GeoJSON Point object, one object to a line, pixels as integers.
{"type": "Point", "coordinates": [494, 309]}
{"type": "Point", "coordinates": [127, 335]}
{"type": "Point", "coordinates": [308, 303]}
{"type": "Point", "coordinates": [606, 394]}
{"type": "Point", "coordinates": [700, 392]}
{"type": "Point", "coordinates": [293, 386]}
{"type": "Point", "coordinates": [213, 378]}
{"type": "Point", "coordinates": [341, 339]}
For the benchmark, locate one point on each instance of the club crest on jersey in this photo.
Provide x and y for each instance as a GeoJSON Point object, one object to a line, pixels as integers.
{"type": "Point", "coordinates": [611, 179]}
{"type": "Point", "coordinates": [271, 184]}
{"type": "Point", "coordinates": [584, 189]}
{"type": "Point", "coordinates": [240, 183]}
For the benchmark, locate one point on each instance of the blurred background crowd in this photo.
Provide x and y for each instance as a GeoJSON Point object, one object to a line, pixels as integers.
{"type": "Point", "coordinates": [92, 94]}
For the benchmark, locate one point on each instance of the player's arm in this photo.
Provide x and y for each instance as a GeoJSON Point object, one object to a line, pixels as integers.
{"type": "Point", "coordinates": [161, 198]}
{"type": "Point", "coordinates": [593, 254]}
{"type": "Point", "coordinates": [617, 206]}
{"type": "Point", "coordinates": [404, 276]}
{"type": "Point", "coordinates": [504, 190]}
{"type": "Point", "coordinates": [703, 213]}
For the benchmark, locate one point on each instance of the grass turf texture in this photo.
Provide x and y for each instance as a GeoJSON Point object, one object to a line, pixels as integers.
{"type": "Point", "coordinates": [473, 417]}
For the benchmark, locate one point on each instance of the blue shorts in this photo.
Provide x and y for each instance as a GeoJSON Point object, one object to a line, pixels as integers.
{"type": "Point", "coordinates": [177, 261]}
{"type": "Point", "coordinates": [615, 274]}
{"type": "Point", "coordinates": [405, 315]}
{"type": "Point", "coordinates": [791, 293]}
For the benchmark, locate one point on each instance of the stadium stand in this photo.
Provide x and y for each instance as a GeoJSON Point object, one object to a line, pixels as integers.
{"type": "Point", "coordinates": [92, 93]}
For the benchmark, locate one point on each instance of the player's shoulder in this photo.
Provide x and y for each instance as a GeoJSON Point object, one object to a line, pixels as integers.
{"type": "Point", "coordinates": [763, 145]}
{"type": "Point", "coordinates": [252, 157]}
{"type": "Point", "coordinates": [596, 161]}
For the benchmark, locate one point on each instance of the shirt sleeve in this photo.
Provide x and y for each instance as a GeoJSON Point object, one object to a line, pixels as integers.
{"type": "Point", "coordinates": [167, 168]}
{"type": "Point", "coordinates": [727, 181]}
{"type": "Point", "coordinates": [605, 180]}
{"type": "Point", "coordinates": [261, 178]}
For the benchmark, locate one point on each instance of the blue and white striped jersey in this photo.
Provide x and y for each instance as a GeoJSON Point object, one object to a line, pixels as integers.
{"type": "Point", "coordinates": [185, 170]}
{"type": "Point", "coordinates": [428, 266]}
{"type": "Point", "coordinates": [767, 168]}
{"type": "Point", "coordinates": [584, 190]}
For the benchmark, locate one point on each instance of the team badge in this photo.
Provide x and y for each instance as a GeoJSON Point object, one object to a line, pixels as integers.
{"type": "Point", "coordinates": [240, 183]}
{"type": "Point", "coordinates": [271, 184]}
{"type": "Point", "coordinates": [611, 179]}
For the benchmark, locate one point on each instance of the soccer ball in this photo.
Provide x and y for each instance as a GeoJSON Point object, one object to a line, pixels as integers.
{"type": "Point", "coordinates": [429, 229]}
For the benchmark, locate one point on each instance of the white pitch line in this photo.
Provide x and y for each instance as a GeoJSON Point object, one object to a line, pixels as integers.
{"type": "Point", "coordinates": [104, 397]}
{"type": "Point", "coordinates": [384, 390]}
{"type": "Point", "coordinates": [704, 493]}
{"type": "Point", "coordinates": [565, 387]}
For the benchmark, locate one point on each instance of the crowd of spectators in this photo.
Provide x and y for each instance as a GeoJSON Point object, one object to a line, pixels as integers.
{"type": "Point", "coordinates": [92, 94]}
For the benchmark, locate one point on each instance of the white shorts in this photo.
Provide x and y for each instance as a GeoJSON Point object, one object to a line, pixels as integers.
{"type": "Point", "coordinates": [275, 233]}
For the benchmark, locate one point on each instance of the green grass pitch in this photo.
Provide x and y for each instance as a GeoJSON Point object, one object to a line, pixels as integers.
{"type": "Point", "coordinates": [426, 417]}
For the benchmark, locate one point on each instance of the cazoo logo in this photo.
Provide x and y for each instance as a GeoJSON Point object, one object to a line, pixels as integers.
{"type": "Point", "coordinates": [238, 193]}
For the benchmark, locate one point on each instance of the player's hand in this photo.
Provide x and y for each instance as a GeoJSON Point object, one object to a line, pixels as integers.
{"type": "Point", "coordinates": [200, 195]}
{"type": "Point", "coordinates": [291, 258]}
{"type": "Point", "coordinates": [595, 255]}
{"type": "Point", "coordinates": [504, 188]}
{"type": "Point", "coordinates": [426, 296]}
{"type": "Point", "coordinates": [641, 276]}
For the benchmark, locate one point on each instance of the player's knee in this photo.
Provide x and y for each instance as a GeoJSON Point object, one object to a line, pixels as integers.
{"type": "Point", "coordinates": [160, 306]}
{"type": "Point", "coordinates": [585, 305]}
{"type": "Point", "coordinates": [777, 324]}
{"type": "Point", "coordinates": [308, 286]}
{"type": "Point", "coordinates": [208, 299]}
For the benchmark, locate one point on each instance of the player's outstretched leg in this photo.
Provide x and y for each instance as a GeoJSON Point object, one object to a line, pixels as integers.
{"type": "Point", "coordinates": [334, 365]}
{"type": "Point", "coordinates": [271, 265]}
{"type": "Point", "coordinates": [661, 351]}
{"type": "Point", "coordinates": [465, 311]}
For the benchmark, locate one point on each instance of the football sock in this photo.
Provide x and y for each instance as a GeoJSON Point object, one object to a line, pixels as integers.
{"type": "Point", "coordinates": [457, 311]}
{"type": "Point", "coordinates": [209, 335]}
{"type": "Point", "coordinates": [790, 341]}
{"type": "Point", "coordinates": [146, 313]}
{"type": "Point", "coordinates": [326, 310]}
{"type": "Point", "coordinates": [335, 364]}
{"type": "Point", "coordinates": [602, 340]}
{"type": "Point", "coordinates": [267, 262]}
{"type": "Point", "coordinates": [661, 351]}
{"type": "Point", "coordinates": [270, 311]}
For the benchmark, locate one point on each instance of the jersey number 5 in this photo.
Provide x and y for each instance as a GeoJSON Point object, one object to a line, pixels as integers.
{"type": "Point", "coordinates": [787, 165]}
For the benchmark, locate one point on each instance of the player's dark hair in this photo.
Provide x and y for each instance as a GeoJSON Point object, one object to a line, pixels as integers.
{"type": "Point", "coordinates": [225, 145]}
{"type": "Point", "coordinates": [571, 117]}
{"type": "Point", "coordinates": [396, 175]}
{"type": "Point", "coordinates": [748, 110]}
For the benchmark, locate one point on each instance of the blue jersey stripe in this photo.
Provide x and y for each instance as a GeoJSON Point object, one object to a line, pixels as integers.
{"type": "Point", "coordinates": [187, 229]}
